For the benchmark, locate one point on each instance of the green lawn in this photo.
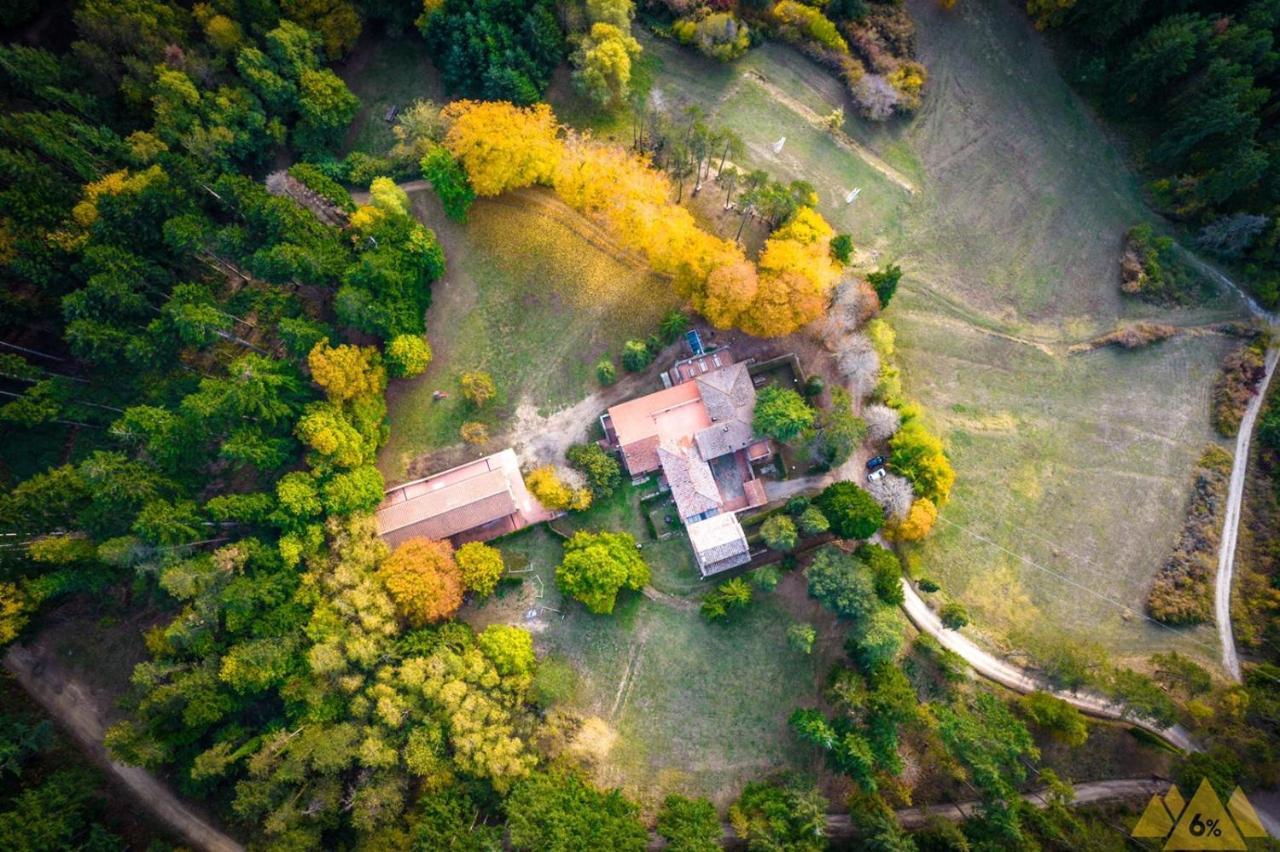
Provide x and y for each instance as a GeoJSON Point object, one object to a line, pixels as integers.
{"type": "Point", "coordinates": [527, 297]}
{"type": "Point", "coordinates": [675, 703]}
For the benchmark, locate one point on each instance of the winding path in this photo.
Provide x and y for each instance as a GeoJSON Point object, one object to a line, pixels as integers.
{"type": "Point", "coordinates": [1235, 491]}
{"type": "Point", "coordinates": [1231, 523]}
{"type": "Point", "coordinates": [70, 703]}
{"type": "Point", "coordinates": [1020, 680]}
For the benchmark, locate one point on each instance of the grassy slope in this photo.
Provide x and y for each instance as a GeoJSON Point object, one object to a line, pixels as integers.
{"type": "Point", "coordinates": [1076, 463]}
{"type": "Point", "coordinates": [526, 298]}
{"type": "Point", "coordinates": [694, 707]}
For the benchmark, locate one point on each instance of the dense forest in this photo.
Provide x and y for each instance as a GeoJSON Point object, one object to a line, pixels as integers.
{"type": "Point", "coordinates": [1197, 84]}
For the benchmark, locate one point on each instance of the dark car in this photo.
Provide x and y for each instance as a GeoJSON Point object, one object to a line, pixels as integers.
{"type": "Point", "coordinates": [876, 462]}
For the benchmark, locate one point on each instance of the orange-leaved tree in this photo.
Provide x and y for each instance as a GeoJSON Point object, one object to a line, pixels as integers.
{"type": "Point", "coordinates": [424, 580]}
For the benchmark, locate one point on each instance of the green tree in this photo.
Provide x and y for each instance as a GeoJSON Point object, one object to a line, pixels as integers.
{"type": "Point", "coordinates": [408, 355]}
{"type": "Point", "coordinates": [726, 598]}
{"type": "Point", "coordinates": [674, 324]}
{"type": "Point", "coordinates": [559, 811]}
{"type": "Point", "coordinates": [326, 107]}
{"type": "Point", "coordinates": [494, 49]}
{"type": "Point", "coordinates": [876, 639]}
{"type": "Point", "coordinates": [602, 470]}
{"type": "Point", "coordinates": [596, 566]}
{"type": "Point", "coordinates": [842, 583]}
{"type": "Point", "coordinates": [1056, 716]}
{"type": "Point", "coordinates": [689, 825]}
{"type": "Point", "coordinates": [886, 571]}
{"type": "Point", "coordinates": [779, 533]}
{"type": "Point", "coordinates": [449, 180]}
{"type": "Point", "coordinates": [790, 815]}
{"type": "Point", "coordinates": [836, 432]}
{"type": "Point", "coordinates": [636, 355]}
{"type": "Point", "coordinates": [781, 413]}
{"type": "Point", "coordinates": [813, 522]}
{"type": "Point", "coordinates": [852, 512]}
{"type": "Point", "coordinates": [481, 567]}
{"type": "Point", "coordinates": [885, 282]}
{"type": "Point", "coordinates": [842, 248]}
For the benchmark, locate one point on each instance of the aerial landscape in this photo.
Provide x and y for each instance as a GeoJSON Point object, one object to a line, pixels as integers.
{"type": "Point", "coordinates": [639, 424]}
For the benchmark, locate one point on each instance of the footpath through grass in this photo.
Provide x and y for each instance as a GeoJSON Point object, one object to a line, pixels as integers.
{"type": "Point", "coordinates": [673, 703]}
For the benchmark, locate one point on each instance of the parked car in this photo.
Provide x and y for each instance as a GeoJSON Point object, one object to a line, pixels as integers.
{"type": "Point", "coordinates": [876, 475]}
{"type": "Point", "coordinates": [875, 462]}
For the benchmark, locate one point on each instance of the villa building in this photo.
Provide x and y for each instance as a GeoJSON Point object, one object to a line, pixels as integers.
{"type": "Point", "coordinates": [697, 435]}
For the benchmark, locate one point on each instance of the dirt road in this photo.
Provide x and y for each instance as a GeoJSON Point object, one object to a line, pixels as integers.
{"type": "Point", "coordinates": [1018, 679]}
{"type": "Point", "coordinates": [73, 708]}
{"type": "Point", "coordinates": [1231, 523]}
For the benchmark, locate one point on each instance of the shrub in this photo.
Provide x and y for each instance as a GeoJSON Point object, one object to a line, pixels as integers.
{"type": "Point", "coordinates": [1182, 592]}
{"type": "Point", "coordinates": [554, 682]}
{"type": "Point", "coordinates": [480, 566]}
{"type": "Point", "coordinates": [781, 413]}
{"type": "Point", "coordinates": [954, 615]}
{"type": "Point", "coordinates": [636, 355]}
{"type": "Point", "coordinates": [477, 387]}
{"type": "Point", "coordinates": [801, 637]}
{"type": "Point", "coordinates": [606, 373]}
{"type": "Point", "coordinates": [474, 433]}
{"type": "Point", "coordinates": [928, 585]}
{"type": "Point", "coordinates": [796, 505]}
{"type": "Point", "coordinates": [852, 512]}
{"type": "Point", "coordinates": [602, 470]}
{"type": "Point", "coordinates": [407, 355]}
{"type": "Point", "coordinates": [779, 533]}
{"type": "Point", "coordinates": [842, 248]}
{"type": "Point", "coordinates": [311, 176]}
{"type": "Point", "coordinates": [766, 579]}
{"type": "Point", "coordinates": [1234, 388]}
{"type": "Point", "coordinates": [551, 491]}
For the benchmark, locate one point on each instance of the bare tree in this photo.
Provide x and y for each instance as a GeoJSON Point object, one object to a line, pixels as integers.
{"type": "Point", "coordinates": [894, 493]}
{"type": "Point", "coordinates": [882, 422]}
{"type": "Point", "coordinates": [859, 363]}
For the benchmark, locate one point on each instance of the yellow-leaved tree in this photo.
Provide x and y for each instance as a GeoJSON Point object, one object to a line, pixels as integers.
{"type": "Point", "coordinates": [423, 580]}
{"type": "Point", "coordinates": [502, 146]}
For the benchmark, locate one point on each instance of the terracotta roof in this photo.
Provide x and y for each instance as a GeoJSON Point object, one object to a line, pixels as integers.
{"type": "Point", "coordinates": [692, 484]}
{"type": "Point", "coordinates": [448, 508]}
{"type": "Point", "coordinates": [667, 416]}
{"type": "Point", "coordinates": [719, 543]}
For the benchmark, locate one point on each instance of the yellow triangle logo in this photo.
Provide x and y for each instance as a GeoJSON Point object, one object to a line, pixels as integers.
{"type": "Point", "coordinates": [1155, 821]}
{"type": "Point", "coordinates": [1174, 802]}
{"type": "Point", "coordinates": [1204, 825]}
{"type": "Point", "coordinates": [1244, 815]}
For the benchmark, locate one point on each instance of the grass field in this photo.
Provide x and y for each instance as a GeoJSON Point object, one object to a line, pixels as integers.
{"type": "Point", "coordinates": [675, 703]}
{"type": "Point", "coordinates": [386, 71]}
{"type": "Point", "coordinates": [529, 299]}
{"type": "Point", "coordinates": [1073, 470]}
